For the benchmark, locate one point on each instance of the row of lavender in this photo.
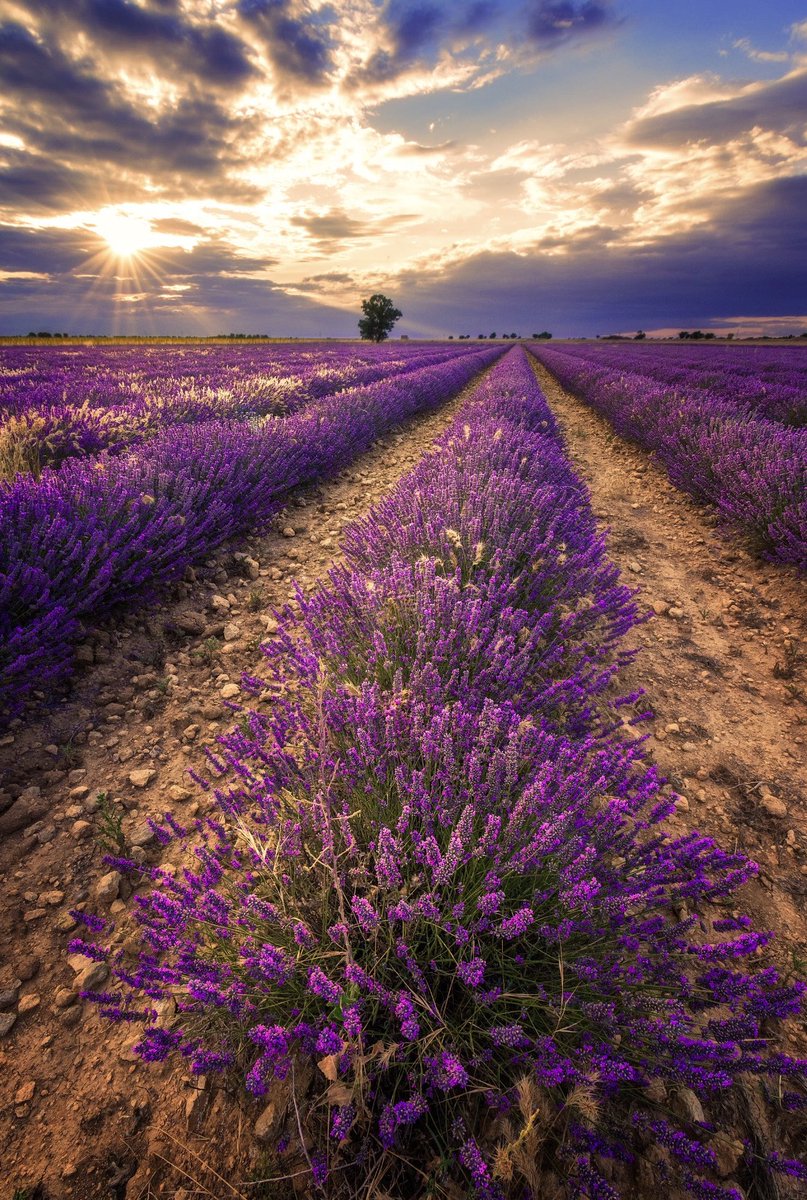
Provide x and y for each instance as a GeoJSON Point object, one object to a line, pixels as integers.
{"type": "Point", "coordinates": [96, 534]}
{"type": "Point", "coordinates": [761, 381]}
{"type": "Point", "coordinates": [62, 403]}
{"type": "Point", "coordinates": [753, 470]}
{"type": "Point", "coordinates": [438, 870]}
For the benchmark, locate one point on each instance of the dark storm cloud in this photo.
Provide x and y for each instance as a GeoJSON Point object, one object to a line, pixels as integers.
{"type": "Point", "coordinates": [33, 182]}
{"type": "Point", "coordinates": [299, 50]}
{"type": "Point", "coordinates": [74, 119]}
{"type": "Point", "coordinates": [168, 37]}
{"type": "Point", "coordinates": [780, 105]}
{"type": "Point", "coordinates": [751, 259]}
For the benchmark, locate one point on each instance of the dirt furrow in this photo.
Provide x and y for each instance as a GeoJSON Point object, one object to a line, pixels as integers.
{"type": "Point", "coordinates": [721, 665]}
{"type": "Point", "coordinates": [79, 1115]}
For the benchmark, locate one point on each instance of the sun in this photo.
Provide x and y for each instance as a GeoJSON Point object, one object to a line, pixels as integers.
{"type": "Point", "coordinates": [126, 236]}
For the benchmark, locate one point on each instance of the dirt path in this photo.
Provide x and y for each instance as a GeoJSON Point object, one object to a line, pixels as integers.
{"type": "Point", "coordinates": [722, 667]}
{"type": "Point", "coordinates": [79, 1115]}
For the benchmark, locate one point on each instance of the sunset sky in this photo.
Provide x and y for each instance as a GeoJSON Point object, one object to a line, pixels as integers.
{"type": "Point", "coordinates": [203, 166]}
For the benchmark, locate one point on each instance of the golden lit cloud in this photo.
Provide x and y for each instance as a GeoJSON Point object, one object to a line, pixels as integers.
{"type": "Point", "coordinates": [175, 155]}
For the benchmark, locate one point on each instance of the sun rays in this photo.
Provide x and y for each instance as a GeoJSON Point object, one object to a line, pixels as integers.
{"type": "Point", "coordinates": [126, 236]}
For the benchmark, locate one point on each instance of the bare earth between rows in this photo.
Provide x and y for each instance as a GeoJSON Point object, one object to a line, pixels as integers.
{"type": "Point", "coordinates": [151, 697]}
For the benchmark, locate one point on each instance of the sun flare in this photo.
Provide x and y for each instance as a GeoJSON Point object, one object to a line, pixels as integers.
{"type": "Point", "coordinates": [125, 236]}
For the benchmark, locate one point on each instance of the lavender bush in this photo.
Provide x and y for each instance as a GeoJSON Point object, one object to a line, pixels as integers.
{"type": "Point", "coordinates": [436, 867]}
{"type": "Point", "coordinates": [67, 402]}
{"type": "Point", "coordinates": [757, 381]}
{"type": "Point", "coordinates": [97, 534]}
{"type": "Point", "coordinates": [752, 469]}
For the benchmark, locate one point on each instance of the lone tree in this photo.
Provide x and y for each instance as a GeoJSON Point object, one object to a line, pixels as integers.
{"type": "Point", "coordinates": [380, 314]}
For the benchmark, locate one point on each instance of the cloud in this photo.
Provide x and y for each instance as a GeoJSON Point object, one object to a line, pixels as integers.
{"type": "Point", "coordinates": [480, 39]}
{"type": "Point", "coordinates": [551, 23]}
{"type": "Point", "coordinates": [339, 278]}
{"type": "Point", "coordinates": [168, 37]}
{"type": "Point", "coordinates": [177, 226]}
{"type": "Point", "coordinates": [34, 71]}
{"type": "Point", "coordinates": [335, 283]}
{"type": "Point", "coordinates": [778, 105]}
{"type": "Point", "coordinates": [68, 277]}
{"type": "Point", "coordinates": [300, 50]}
{"type": "Point", "coordinates": [51, 252]}
{"type": "Point", "coordinates": [754, 246]}
{"type": "Point", "coordinates": [416, 150]}
{"type": "Point", "coordinates": [333, 228]}
{"type": "Point", "coordinates": [35, 183]}
{"type": "Point", "coordinates": [751, 51]}
{"type": "Point", "coordinates": [59, 253]}
{"type": "Point", "coordinates": [280, 157]}
{"type": "Point", "coordinates": [76, 119]}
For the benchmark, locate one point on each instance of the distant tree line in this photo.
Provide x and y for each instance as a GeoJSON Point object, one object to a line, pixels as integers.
{"type": "Point", "coordinates": [545, 335]}
{"type": "Point", "coordinates": [46, 333]}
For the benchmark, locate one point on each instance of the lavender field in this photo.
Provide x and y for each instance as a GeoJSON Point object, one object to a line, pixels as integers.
{"type": "Point", "coordinates": [348, 827]}
{"type": "Point", "coordinates": [75, 401]}
{"type": "Point", "coordinates": [729, 425]}
{"type": "Point", "coordinates": [403, 600]}
{"type": "Point", "coordinates": [98, 527]}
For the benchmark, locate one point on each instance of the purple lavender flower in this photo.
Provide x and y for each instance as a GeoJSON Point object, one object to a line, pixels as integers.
{"type": "Point", "coordinates": [445, 1072]}
{"type": "Point", "coordinates": [472, 972]}
{"type": "Point", "coordinates": [342, 1121]}
{"type": "Point", "coordinates": [395, 1116]}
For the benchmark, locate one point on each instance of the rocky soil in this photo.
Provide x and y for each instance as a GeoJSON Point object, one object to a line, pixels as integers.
{"type": "Point", "coordinates": [80, 1118]}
